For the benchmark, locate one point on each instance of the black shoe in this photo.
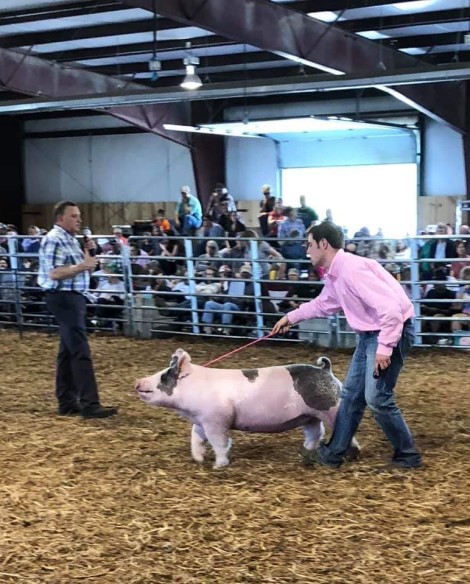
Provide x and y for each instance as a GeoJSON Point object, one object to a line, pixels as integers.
{"type": "Point", "coordinates": [98, 412]}
{"type": "Point", "coordinates": [68, 411]}
{"type": "Point", "coordinates": [312, 458]}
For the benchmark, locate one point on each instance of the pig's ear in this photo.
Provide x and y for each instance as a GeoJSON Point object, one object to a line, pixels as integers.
{"type": "Point", "coordinates": [181, 358]}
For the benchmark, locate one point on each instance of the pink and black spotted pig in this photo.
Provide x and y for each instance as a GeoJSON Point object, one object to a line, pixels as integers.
{"type": "Point", "coordinates": [269, 399]}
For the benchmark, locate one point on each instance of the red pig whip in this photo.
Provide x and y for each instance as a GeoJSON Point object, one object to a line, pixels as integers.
{"type": "Point", "coordinates": [239, 349]}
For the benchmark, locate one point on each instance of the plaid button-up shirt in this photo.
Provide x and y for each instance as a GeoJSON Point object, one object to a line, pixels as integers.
{"type": "Point", "coordinates": [60, 248]}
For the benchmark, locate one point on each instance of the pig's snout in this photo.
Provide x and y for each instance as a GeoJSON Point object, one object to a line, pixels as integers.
{"type": "Point", "coordinates": [141, 387]}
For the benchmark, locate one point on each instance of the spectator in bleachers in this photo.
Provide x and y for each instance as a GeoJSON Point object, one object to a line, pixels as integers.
{"type": "Point", "coordinates": [31, 244]}
{"type": "Point", "coordinates": [313, 286]}
{"type": "Point", "coordinates": [163, 222]}
{"type": "Point", "coordinates": [220, 200]}
{"type": "Point", "coordinates": [109, 296]}
{"type": "Point", "coordinates": [225, 197]}
{"type": "Point", "coordinates": [402, 251]}
{"type": "Point", "coordinates": [118, 236]}
{"type": "Point", "coordinates": [443, 310]}
{"type": "Point", "coordinates": [289, 224]}
{"type": "Point", "coordinates": [138, 255]}
{"type": "Point", "coordinates": [209, 230]}
{"type": "Point", "coordinates": [465, 230]}
{"type": "Point", "coordinates": [9, 282]}
{"type": "Point", "coordinates": [442, 248]}
{"type": "Point", "coordinates": [234, 250]}
{"type": "Point", "coordinates": [226, 303]}
{"type": "Point", "coordinates": [169, 250]}
{"type": "Point", "coordinates": [293, 249]}
{"type": "Point", "coordinates": [266, 252]}
{"type": "Point", "coordinates": [463, 308]}
{"type": "Point", "coordinates": [147, 244]}
{"type": "Point", "coordinates": [209, 259]}
{"type": "Point", "coordinates": [189, 213]}
{"type": "Point", "coordinates": [306, 214]}
{"type": "Point", "coordinates": [232, 224]}
{"type": "Point", "coordinates": [265, 208]}
{"type": "Point", "coordinates": [275, 218]}
{"type": "Point", "coordinates": [463, 259]}
{"type": "Point", "coordinates": [351, 247]}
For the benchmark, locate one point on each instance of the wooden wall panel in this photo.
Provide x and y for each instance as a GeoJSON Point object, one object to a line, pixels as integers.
{"type": "Point", "coordinates": [99, 217]}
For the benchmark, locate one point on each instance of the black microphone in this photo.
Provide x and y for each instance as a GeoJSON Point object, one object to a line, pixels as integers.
{"type": "Point", "coordinates": [92, 251]}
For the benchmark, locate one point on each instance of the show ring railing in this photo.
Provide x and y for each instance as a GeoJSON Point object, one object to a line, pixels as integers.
{"type": "Point", "coordinates": [130, 294]}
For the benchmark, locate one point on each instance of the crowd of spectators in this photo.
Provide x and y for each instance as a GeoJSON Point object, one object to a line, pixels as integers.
{"type": "Point", "coordinates": [223, 270]}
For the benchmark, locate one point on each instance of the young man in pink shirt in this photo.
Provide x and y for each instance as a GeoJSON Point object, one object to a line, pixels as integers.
{"type": "Point", "coordinates": [376, 306]}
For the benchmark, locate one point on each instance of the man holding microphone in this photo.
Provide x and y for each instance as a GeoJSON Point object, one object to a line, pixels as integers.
{"type": "Point", "coordinates": [376, 306]}
{"type": "Point", "coordinates": [64, 275]}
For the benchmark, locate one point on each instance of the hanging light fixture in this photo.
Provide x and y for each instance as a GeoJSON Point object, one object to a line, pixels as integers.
{"type": "Point", "coordinates": [191, 80]}
{"type": "Point", "coordinates": [154, 64]}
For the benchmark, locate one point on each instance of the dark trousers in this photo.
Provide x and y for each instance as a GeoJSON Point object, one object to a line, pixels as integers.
{"type": "Point", "coordinates": [75, 377]}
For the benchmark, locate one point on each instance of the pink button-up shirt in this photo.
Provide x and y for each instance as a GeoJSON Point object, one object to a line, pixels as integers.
{"type": "Point", "coordinates": [371, 298]}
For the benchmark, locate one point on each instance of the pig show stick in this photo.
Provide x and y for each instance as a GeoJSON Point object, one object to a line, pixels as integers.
{"type": "Point", "coordinates": [239, 349]}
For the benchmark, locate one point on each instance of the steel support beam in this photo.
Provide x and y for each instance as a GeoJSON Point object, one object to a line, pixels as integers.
{"type": "Point", "coordinates": [247, 89]}
{"type": "Point", "coordinates": [407, 20]}
{"type": "Point", "coordinates": [337, 5]}
{"type": "Point", "coordinates": [30, 39]}
{"type": "Point", "coordinates": [70, 55]}
{"type": "Point", "coordinates": [65, 10]}
{"type": "Point", "coordinates": [276, 28]}
{"type": "Point", "coordinates": [30, 75]}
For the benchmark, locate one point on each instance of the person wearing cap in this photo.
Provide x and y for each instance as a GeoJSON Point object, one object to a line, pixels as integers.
{"type": "Point", "coordinates": [209, 259]}
{"type": "Point", "coordinates": [188, 213]}
{"type": "Point", "coordinates": [377, 308]}
{"type": "Point", "coordinates": [119, 236]}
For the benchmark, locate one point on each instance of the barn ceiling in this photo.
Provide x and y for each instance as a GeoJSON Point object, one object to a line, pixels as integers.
{"type": "Point", "coordinates": [96, 47]}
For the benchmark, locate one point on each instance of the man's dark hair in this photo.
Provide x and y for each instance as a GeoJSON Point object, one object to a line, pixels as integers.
{"type": "Point", "coordinates": [59, 208]}
{"type": "Point", "coordinates": [327, 230]}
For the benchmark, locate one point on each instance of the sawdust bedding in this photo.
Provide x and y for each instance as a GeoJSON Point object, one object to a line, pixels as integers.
{"type": "Point", "coordinates": [120, 501]}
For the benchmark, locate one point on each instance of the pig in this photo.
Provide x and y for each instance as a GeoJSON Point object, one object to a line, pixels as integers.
{"type": "Point", "coordinates": [268, 399]}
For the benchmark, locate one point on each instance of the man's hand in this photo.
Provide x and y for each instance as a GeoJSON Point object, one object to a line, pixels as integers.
{"type": "Point", "coordinates": [89, 262]}
{"type": "Point", "coordinates": [90, 244]}
{"type": "Point", "coordinates": [381, 363]}
{"type": "Point", "coordinates": [281, 326]}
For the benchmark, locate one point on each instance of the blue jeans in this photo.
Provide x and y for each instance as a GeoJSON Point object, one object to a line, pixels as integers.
{"type": "Point", "coordinates": [226, 307]}
{"type": "Point", "coordinates": [191, 223]}
{"type": "Point", "coordinates": [361, 389]}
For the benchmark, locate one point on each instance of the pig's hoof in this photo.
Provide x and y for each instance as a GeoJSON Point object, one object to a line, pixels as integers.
{"type": "Point", "coordinates": [221, 464]}
{"type": "Point", "coordinates": [353, 453]}
{"type": "Point", "coordinates": [199, 458]}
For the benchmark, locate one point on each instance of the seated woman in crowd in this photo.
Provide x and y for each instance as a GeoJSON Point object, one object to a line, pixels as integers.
{"type": "Point", "coordinates": [275, 218]}
{"type": "Point", "coordinates": [170, 249]}
{"type": "Point", "coordinates": [463, 259]}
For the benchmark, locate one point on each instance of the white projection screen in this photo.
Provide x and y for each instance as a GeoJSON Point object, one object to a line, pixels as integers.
{"type": "Point", "coordinates": [376, 196]}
